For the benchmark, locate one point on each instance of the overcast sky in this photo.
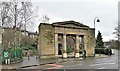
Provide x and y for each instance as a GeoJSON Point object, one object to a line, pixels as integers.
{"type": "Point", "coordinates": [83, 11]}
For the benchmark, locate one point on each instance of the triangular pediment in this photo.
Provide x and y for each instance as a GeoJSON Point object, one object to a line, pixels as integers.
{"type": "Point", "coordinates": [69, 24]}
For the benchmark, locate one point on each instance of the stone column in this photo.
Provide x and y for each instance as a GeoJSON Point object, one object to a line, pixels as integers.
{"type": "Point", "coordinates": [56, 44]}
{"type": "Point", "coordinates": [85, 44]}
{"type": "Point", "coordinates": [64, 48]}
{"type": "Point", "coordinates": [77, 47]}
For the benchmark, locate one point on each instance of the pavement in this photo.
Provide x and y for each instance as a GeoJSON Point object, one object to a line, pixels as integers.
{"type": "Point", "coordinates": [100, 56]}
{"type": "Point", "coordinates": [36, 62]}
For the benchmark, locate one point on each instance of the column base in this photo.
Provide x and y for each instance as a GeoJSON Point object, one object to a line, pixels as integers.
{"type": "Point", "coordinates": [64, 55]}
{"type": "Point", "coordinates": [77, 55]}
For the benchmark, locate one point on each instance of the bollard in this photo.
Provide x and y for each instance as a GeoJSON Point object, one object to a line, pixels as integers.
{"type": "Point", "coordinates": [8, 61]}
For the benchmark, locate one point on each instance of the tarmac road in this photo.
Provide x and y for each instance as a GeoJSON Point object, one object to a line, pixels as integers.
{"type": "Point", "coordinates": [110, 62]}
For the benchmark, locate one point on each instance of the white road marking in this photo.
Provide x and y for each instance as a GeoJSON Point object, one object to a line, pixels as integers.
{"type": "Point", "coordinates": [101, 68]}
{"type": "Point", "coordinates": [98, 64]}
{"type": "Point", "coordinates": [111, 63]}
{"type": "Point", "coordinates": [73, 65]}
{"type": "Point", "coordinates": [80, 58]}
{"type": "Point", "coordinates": [101, 64]}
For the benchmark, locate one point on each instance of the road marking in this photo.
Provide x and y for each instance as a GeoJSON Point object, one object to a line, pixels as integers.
{"type": "Point", "coordinates": [101, 64]}
{"type": "Point", "coordinates": [111, 63]}
{"type": "Point", "coordinates": [101, 68]}
{"type": "Point", "coordinates": [73, 65]}
{"type": "Point", "coordinates": [98, 64]}
{"type": "Point", "coordinates": [80, 58]}
{"type": "Point", "coordinates": [55, 66]}
{"type": "Point", "coordinates": [59, 66]}
{"type": "Point", "coordinates": [52, 68]}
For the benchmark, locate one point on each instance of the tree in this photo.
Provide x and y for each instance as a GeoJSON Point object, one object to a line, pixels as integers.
{"type": "Point", "coordinates": [16, 15]}
{"type": "Point", "coordinates": [45, 19]}
{"type": "Point", "coordinates": [99, 41]}
{"type": "Point", "coordinates": [117, 32]}
{"type": "Point", "coordinates": [114, 44]}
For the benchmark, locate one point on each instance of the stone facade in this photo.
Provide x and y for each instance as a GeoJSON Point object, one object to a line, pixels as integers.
{"type": "Point", "coordinates": [49, 34]}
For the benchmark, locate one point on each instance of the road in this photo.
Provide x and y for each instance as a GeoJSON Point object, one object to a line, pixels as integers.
{"type": "Point", "coordinates": [110, 62]}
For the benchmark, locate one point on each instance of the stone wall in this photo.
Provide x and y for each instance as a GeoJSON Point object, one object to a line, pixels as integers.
{"type": "Point", "coordinates": [90, 42]}
{"type": "Point", "coordinates": [46, 41]}
{"type": "Point", "coordinates": [48, 38]}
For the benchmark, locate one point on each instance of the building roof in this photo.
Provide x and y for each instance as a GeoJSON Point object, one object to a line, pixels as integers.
{"type": "Point", "coordinates": [70, 22]}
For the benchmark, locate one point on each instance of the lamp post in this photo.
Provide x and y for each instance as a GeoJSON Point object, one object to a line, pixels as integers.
{"type": "Point", "coordinates": [96, 19]}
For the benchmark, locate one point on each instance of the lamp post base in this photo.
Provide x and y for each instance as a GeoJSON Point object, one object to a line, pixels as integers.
{"type": "Point", "coordinates": [77, 55]}
{"type": "Point", "coordinates": [64, 55]}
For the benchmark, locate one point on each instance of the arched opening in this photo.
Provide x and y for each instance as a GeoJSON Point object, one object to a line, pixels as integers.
{"type": "Point", "coordinates": [59, 49]}
{"type": "Point", "coordinates": [70, 40]}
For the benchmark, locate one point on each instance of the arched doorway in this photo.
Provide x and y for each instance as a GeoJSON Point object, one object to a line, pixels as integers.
{"type": "Point", "coordinates": [59, 49]}
{"type": "Point", "coordinates": [71, 43]}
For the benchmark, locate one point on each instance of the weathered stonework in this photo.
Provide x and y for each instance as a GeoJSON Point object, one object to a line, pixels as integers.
{"type": "Point", "coordinates": [48, 38]}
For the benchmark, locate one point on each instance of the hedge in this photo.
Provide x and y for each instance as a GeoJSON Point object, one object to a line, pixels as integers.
{"type": "Point", "coordinates": [102, 50]}
{"type": "Point", "coordinates": [99, 50]}
{"type": "Point", "coordinates": [15, 52]}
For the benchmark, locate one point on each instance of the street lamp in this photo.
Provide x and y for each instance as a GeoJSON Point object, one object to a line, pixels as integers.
{"type": "Point", "coordinates": [96, 19]}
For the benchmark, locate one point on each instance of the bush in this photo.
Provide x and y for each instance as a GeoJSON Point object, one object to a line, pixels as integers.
{"type": "Point", "coordinates": [15, 52]}
{"type": "Point", "coordinates": [99, 47]}
{"type": "Point", "coordinates": [69, 49]}
{"type": "Point", "coordinates": [102, 50]}
{"type": "Point", "coordinates": [99, 50]}
{"type": "Point", "coordinates": [19, 52]}
{"type": "Point", "coordinates": [12, 51]}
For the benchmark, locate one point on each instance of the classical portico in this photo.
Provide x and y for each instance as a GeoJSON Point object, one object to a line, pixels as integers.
{"type": "Point", "coordinates": [59, 37]}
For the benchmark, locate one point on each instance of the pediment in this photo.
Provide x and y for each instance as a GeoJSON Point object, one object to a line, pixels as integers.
{"type": "Point", "coordinates": [69, 24]}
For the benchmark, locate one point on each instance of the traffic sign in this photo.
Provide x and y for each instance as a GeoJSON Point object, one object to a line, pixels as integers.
{"type": "Point", "coordinates": [5, 54]}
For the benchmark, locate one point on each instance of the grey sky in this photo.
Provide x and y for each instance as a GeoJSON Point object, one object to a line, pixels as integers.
{"type": "Point", "coordinates": [83, 11]}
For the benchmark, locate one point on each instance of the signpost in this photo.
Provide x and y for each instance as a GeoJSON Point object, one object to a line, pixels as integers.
{"type": "Point", "coordinates": [7, 60]}
{"type": "Point", "coordinates": [6, 54]}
